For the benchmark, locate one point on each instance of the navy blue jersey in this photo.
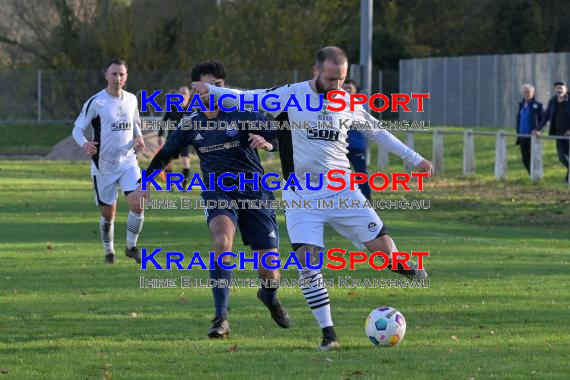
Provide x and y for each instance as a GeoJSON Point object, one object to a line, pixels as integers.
{"type": "Point", "coordinates": [175, 116]}
{"type": "Point", "coordinates": [219, 150]}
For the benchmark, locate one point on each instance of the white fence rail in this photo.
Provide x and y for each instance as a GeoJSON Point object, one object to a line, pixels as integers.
{"type": "Point", "coordinates": [501, 166]}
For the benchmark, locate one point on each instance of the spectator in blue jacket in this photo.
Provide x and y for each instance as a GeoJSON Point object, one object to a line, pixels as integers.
{"type": "Point", "coordinates": [558, 113]}
{"type": "Point", "coordinates": [357, 144]}
{"type": "Point", "coordinates": [528, 121]}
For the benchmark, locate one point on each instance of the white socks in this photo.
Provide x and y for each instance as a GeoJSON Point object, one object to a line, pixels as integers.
{"type": "Point", "coordinates": [107, 230]}
{"type": "Point", "coordinates": [134, 228]}
{"type": "Point", "coordinates": [317, 296]}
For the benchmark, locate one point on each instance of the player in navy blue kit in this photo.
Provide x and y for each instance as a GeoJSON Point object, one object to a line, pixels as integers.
{"type": "Point", "coordinates": [234, 151]}
{"type": "Point", "coordinates": [175, 116]}
{"type": "Point", "coordinates": [357, 145]}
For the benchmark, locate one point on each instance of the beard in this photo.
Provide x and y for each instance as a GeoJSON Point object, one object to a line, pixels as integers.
{"type": "Point", "coordinates": [321, 89]}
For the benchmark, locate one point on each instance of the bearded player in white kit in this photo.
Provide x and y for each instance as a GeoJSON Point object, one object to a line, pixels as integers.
{"type": "Point", "coordinates": [113, 113]}
{"type": "Point", "coordinates": [304, 151]}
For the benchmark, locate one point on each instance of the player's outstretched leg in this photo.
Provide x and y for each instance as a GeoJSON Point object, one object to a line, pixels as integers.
{"type": "Point", "coordinates": [134, 226]}
{"type": "Point", "coordinates": [220, 326]}
{"type": "Point", "coordinates": [268, 294]}
{"type": "Point", "coordinates": [222, 229]}
{"type": "Point", "coordinates": [317, 298]}
{"type": "Point", "coordinates": [384, 243]}
{"type": "Point", "coordinates": [107, 231]}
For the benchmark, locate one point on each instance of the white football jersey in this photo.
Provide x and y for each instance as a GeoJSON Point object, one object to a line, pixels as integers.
{"type": "Point", "coordinates": [315, 148]}
{"type": "Point", "coordinates": [115, 122]}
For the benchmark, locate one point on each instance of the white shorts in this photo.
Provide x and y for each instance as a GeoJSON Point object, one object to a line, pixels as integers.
{"type": "Point", "coordinates": [306, 226]}
{"type": "Point", "coordinates": [105, 185]}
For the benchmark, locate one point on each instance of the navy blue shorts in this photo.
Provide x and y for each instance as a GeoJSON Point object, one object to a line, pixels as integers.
{"type": "Point", "coordinates": [258, 227]}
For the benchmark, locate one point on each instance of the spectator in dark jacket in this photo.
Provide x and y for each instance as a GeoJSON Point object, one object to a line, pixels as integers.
{"type": "Point", "coordinates": [558, 113]}
{"type": "Point", "coordinates": [528, 121]}
{"type": "Point", "coordinates": [357, 145]}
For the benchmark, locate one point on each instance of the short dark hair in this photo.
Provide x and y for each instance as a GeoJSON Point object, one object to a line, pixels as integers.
{"type": "Point", "coordinates": [214, 68]}
{"type": "Point", "coordinates": [116, 61]}
{"type": "Point", "coordinates": [352, 82]}
{"type": "Point", "coordinates": [331, 53]}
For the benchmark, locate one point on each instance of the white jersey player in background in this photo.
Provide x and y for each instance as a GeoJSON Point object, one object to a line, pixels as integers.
{"type": "Point", "coordinates": [114, 116]}
{"type": "Point", "coordinates": [310, 151]}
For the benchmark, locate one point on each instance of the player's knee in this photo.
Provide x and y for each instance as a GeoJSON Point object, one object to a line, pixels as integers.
{"type": "Point", "coordinates": [108, 212]}
{"type": "Point", "coordinates": [136, 208]}
{"type": "Point", "coordinates": [222, 242]}
{"type": "Point", "coordinates": [265, 262]}
{"type": "Point", "coordinates": [268, 273]}
{"type": "Point", "coordinates": [134, 203]}
{"type": "Point", "coordinates": [313, 253]}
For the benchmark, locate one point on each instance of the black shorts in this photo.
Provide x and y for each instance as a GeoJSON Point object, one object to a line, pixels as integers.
{"type": "Point", "coordinates": [258, 227]}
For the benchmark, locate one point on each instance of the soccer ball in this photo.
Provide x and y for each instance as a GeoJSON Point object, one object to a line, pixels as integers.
{"type": "Point", "coordinates": [385, 326]}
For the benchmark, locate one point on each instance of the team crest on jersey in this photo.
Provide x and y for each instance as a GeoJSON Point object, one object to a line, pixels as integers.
{"type": "Point", "coordinates": [232, 130]}
{"type": "Point", "coordinates": [372, 227]}
{"type": "Point", "coordinates": [325, 115]}
{"type": "Point", "coordinates": [121, 114]}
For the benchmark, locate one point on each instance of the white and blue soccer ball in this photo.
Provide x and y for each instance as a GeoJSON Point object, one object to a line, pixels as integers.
{"type": "Point", "coordinates": [385, 326]}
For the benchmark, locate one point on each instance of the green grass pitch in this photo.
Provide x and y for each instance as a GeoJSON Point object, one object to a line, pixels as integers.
{"type": "Point", "coordinates": [497, 307]}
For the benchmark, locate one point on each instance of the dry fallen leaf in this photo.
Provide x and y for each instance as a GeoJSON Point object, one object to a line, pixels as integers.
{"type": "Point", "coordinates": [233, 348]}
{"type": "Point", "coordinates": [133, 315]}
{"type": "Point", "coordinates": [3, 371]}
{"type": "Point", "coordinates": [453, 337]}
